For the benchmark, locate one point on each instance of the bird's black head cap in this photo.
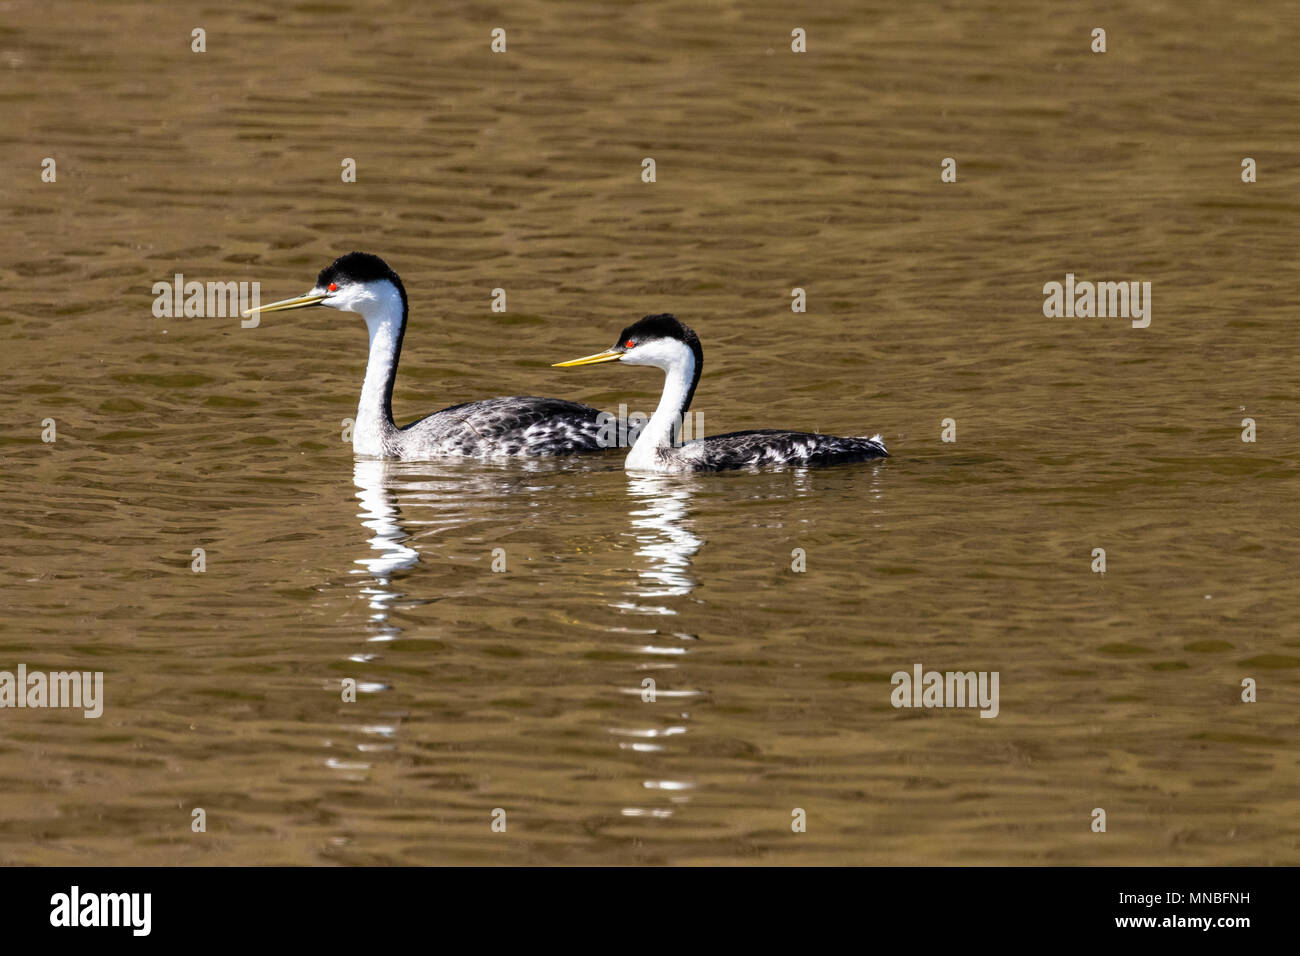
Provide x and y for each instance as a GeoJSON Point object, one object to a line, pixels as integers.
{"type": "Point", "coordinates": [664, 326]}
{"type": "Point", "coordinates": [363, 267]}
{"type": "Point", "coordinates": [357, 267]}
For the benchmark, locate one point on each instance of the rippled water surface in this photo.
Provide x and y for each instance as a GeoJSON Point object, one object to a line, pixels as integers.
{"type": "Point", "coordinates": [522, 689]}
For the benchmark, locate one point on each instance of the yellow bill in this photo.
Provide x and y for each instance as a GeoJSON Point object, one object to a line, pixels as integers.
{"type": "Point", "coordinates": [299, 302]}
{"type": "Point", "coordinates": [610, 355]}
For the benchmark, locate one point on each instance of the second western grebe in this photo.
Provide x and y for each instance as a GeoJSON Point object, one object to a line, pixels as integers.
{"type": "Point", "coordinates": [520, 425]}
{"type": "Point", "coordinates": [662, 341]}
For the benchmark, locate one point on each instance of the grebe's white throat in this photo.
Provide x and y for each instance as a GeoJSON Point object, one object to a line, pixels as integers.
{"type": "Point", "coordinates": [381, 306]}
{"type": "Point", "coordinates": [664, 429]}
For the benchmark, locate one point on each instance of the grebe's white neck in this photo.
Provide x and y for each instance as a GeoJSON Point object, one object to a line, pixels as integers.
{"type": "Point", "coordinates": [663, 431]}
{"type": "Point", "coordinates": [382, 306]}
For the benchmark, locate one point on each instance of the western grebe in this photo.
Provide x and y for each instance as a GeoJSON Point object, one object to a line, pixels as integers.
{"type": "Point", "coordinates": [662, 341]}
{"type": "Point", "coordinates": [520, 425]}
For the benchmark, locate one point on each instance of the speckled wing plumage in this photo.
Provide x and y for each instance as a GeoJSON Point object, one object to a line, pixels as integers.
{"type": "Point", "coordinates": [769, 446]}
{"type": "Point", "coordinates": [519, 425]}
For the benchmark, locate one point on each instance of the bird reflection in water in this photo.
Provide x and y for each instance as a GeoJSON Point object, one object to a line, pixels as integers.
{"type": "Point", "coordinates": [665, 544]}
{"type": "Point", "coordinates": [402, 502]}
{"type": "Point", "coordinates": [375, 481]}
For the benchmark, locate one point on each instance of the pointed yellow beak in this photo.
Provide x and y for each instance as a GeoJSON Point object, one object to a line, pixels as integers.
{"type": "Point", "coordinates": [300, 302]}
{"type": "Point", "coordinates": [609, 355]}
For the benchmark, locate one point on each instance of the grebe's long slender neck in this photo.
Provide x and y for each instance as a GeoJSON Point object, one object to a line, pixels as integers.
{"type": "Point", "coordinates": [663, 431]}
{"type": "Point", "coordinates": [385, 315]}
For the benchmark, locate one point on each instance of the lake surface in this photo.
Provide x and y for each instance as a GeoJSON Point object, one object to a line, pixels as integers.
{"type": "Point", "coordinates": [521, 690]}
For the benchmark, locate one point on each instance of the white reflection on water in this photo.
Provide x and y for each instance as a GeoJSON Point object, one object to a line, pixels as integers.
{"type": "Point", "coordinates": [660, 524]}
{"type": "Point", "coordinates": [379, 513]}
{"type": "Point", "coordinates": [665, 542]}
{"type": "Point", "coordinates": [403, 503]}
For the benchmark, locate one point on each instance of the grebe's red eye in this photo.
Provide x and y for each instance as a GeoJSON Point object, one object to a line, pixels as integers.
{"type": "Point", "coordinates": [628, 344]}
{"type": "Point", "coordinates": [334, 287]}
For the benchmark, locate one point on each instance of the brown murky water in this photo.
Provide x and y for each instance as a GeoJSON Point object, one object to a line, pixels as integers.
{"type": "Point", "coordinates": [521, 690]}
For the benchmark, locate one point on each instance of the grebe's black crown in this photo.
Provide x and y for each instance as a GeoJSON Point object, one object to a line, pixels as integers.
{"type": "Point", "coordinates": [665, 326]}
{"type": "Point", "coordinates": [356, 267]}
{"type": "Point", "coordinates": [662, 326]}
